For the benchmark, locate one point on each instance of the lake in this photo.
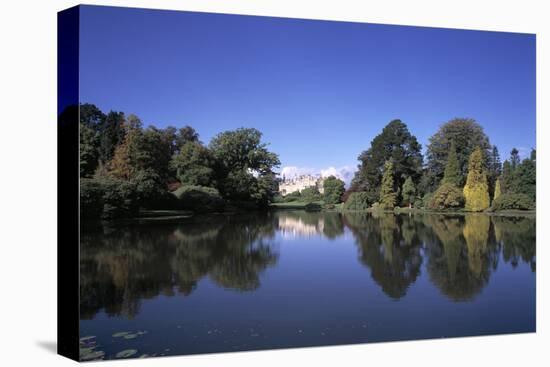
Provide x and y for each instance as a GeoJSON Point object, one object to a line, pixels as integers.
{"type": "Point", "coordinates": [295, 279]}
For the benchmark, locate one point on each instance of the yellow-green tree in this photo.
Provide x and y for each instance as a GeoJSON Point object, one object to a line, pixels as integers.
{"type": "Point", "coordinates": [476, 190]}
{"type": "Point", "coordinates": [476, 233]}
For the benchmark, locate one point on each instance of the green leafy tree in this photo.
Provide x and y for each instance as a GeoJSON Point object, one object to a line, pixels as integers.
{"type": "Point", "coordinates": [89, 154]}
{"type": "Point", "coordinates": [242, 161]}
{"type": "Point", "coordinates": [395, 143]}
{"type": "Point", "coordinates": [409, 192]}
{"type": "Point", "coordinates": [91, 116]}
{"type": "Point", "coordinates": [467, 135]}
{"type": "Point", "coordinates": [520, 177]}
{"type": "Point", "coordinates": [333, 189]}
{"type": "Point", "coordinates": [193, 165]}
{"type": "Point", "coordinates": [111, 133]}
{"type": "Point", "coordinates": [476, 190]}
{"type": "Point", "coordinates": [357, 201]}
{"type": "Point", "coordinates": [527, 177]}
{"type": "Point", "coordinates": [185, 135]}
{"type": "Point", "coordinates": [388, 196]}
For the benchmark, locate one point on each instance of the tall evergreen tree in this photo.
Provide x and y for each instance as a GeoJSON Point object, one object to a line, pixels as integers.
{"type": "Point", "coordinates": [408, 192]}
{"type": "Point", "coordinates": [452, 169]}
{"type": "Point", "coordinates": [506, 178]}
{"type": "Point", "coordinates": [476, 190]}
{"type": "Point", "coordinates": [514, 158]}
{"type": "Point", "coordinates": [494, 169]}
{"type": "Point", "coordinates": [497, 190]}
{"type": "Point", "coordinates": [388, 196]}
{"type": "Point", "coordinates": [394, 143]}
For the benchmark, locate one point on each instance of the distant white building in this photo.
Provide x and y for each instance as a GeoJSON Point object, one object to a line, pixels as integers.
{"type": "Point", "coordinates": [298, 183]}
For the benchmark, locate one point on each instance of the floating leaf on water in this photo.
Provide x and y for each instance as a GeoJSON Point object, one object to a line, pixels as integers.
{"type": "Point", "coordinates": [126, 353]}
{"type": "Point", "coordinates": [120, 333]}
{"type": "Point", "coordinates": [130, 336]}
{"type": "Point", "coordinates": [98, 354]}
{"type": "Point", "coordinates": [144, 356]}
{"type": "Point", "coordinates": [86, 350]}
{"type": "Point", "coordinates": [87, 338]}
{"type": "Point", "coordinates": [141, 332]}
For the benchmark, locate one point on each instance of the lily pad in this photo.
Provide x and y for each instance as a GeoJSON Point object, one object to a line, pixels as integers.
{"type": "Point", "coordinates": [98, 354]}
{"type": "Point", "coordinates": [120, 333]}
{"type": "Point", "coordinates": [87, 350]}
{"type": "Point", "coordinates": [130, 336]}
{"type": "Point", "coordinates": [87, 338]}
{"type": "Point", "coordinates": [126, 353]}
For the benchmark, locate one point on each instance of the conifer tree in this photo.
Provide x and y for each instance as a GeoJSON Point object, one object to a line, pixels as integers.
{"type": "Point", "coordinates": [388, 197]}
{"type": "Point", "coordinates": [476, 190]}
{"type": "Point", "coordinates": [497, 190]}
{"type": "Point", "coordinates": [452, 169]}
{"type": "Point", "coordinates": [408, 192]}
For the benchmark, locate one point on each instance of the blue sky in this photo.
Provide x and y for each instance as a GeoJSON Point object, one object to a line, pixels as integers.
{"type": "Point", "coordinates": [320, 91]}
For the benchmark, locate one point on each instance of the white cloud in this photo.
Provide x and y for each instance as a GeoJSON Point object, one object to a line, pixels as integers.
{"type": "Point", "coordinates": [345, 173]}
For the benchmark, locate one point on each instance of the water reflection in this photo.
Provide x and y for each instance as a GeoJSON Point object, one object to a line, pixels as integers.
{"type": "Point", "coordinates": [120, 267]}
{"type": "Point", "coordinates": [307, 224]}
{"type": "Point", "coordinates": [394, 259]}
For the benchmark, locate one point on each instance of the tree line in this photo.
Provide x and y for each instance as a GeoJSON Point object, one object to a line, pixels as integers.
{"type": "Point", "coordinates": [461, 170]}
{"type": "Point", "coordinates": [125, 167]}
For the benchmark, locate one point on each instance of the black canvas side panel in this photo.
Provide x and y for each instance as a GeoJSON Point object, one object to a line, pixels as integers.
{"type": "Point", "coordinates": [67, 184]}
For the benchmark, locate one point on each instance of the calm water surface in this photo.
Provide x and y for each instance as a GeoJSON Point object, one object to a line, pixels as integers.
{"type": "Point", "coordinates": [294, 279]}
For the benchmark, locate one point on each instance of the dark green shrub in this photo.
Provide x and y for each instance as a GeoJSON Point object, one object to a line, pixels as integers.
{"type": "Point", "coordinates": [426, 200]}
{"type": "Point", "coordinates": [513, 201]}
{"type": "Point", "coordinates": [310, 194]}
{"type": "Point", "coordinates": [91, 199]}
{"type": "Point", "coordinates": [107, 198]}
{"type": "Point", "coordinates": [447, 196]}
{"type": "Point", "coordinates": [313, 207]}
{"type": "Point", "coordinates": [293, 196]}
{"type": "Point", "coordinates": [357, 201]}
{"type": "Point", "coordinates": [120, 199]}
{"type": "Point", "coordinates": [199, 199]}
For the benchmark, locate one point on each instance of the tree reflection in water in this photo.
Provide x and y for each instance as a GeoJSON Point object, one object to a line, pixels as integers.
{"type": "Point", "coordinates": [393, 260]}
{"type": "Point", "coordinates": [461, 250]}
{"type": "Point", "coordinates": [119, 267]}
